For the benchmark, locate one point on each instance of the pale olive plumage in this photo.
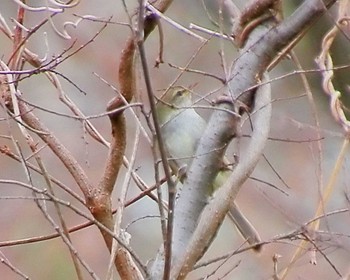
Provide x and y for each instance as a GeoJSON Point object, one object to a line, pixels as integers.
{"type": "Point", "coordinates": [181, 128]}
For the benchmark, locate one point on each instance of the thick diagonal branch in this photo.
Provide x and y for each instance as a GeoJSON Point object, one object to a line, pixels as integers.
{"type": "Point", "coordinates": [263, 45]}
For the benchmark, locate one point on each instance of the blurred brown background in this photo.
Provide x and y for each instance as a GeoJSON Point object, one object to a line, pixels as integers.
{"type": "Point", "coordinates": [271, 211]}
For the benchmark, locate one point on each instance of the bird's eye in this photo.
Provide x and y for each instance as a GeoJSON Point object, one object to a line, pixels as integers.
{"type": "Point", "coordinates": [180, 92]}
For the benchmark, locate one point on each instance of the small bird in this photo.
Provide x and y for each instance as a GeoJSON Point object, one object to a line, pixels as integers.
{"type": "Point", "coordinates": [182, 127]}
